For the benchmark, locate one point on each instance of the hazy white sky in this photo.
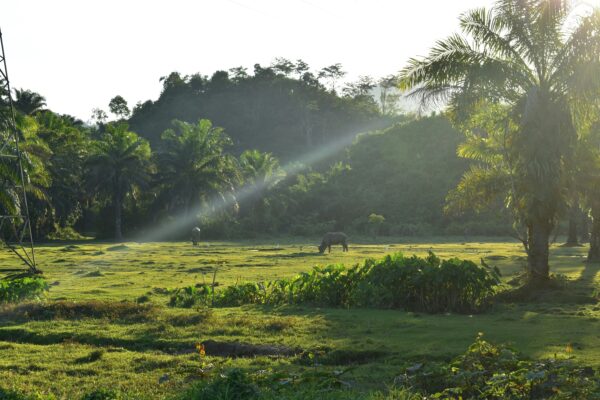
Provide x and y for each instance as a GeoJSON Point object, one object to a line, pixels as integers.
{"type": "Point", "coordinates": [81, 53]}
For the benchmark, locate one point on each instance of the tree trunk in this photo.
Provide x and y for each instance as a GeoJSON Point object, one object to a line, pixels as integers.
{"type": "Point", "coordinates": [584, 226]}
{"type": "Point", "coordinates": [538, 243]}
{"type": "Point", "coordinates": [118, 208]}
{"type": "Point", "coordinates": [118, 219]}
{"type": "Point", "coordinates": [572, 234]}
{"type": "Point", "coordinates": [594, 253]}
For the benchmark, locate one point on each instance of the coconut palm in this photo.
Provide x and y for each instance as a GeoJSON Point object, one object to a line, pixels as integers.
{"type": "Point", "coordinates": [118, 163]}
{"type": "Point", "coordinates": [261, 172]}
{"type": "Point", "coordinates": [519, 54]}
{"type": "Point", "coordinates": [194, 166]}
{"type": "Point", "coordinates": [29, 102]}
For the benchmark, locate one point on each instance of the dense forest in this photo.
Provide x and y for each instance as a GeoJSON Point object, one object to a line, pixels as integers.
{"type": "Point", "coordinates": [281, 151]}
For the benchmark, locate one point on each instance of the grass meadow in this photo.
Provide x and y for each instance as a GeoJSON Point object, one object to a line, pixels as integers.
{"type": "Point", "coordinates": [123, 335]}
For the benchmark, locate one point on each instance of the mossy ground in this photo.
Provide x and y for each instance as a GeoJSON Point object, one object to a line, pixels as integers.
{"type": "Point", "coordinates": [154, 357]}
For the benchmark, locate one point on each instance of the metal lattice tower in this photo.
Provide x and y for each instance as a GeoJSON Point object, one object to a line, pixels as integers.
{"type": "Point", "coordinates": [15, 227]}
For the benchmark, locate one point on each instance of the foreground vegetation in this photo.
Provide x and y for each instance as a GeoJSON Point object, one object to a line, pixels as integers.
{"type": "Point", "coordinates": [106, 322]}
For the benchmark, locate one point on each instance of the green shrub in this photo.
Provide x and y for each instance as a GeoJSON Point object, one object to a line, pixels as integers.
{"type": "Point", "coordinates": [64, 233]}
{"type": "Point", "coordinates": [411, 283]}
{"type": "Point", "coordinates": [6, 394]}
{"type": "Point", "coordinates": [19, 289]}
{"type": "Point", "coordinates": [104, 394]}
{"type": "Point", "coordinates": [486, 371]}
{"type": "Point", "coordinates": [190, 296]}
{"type": "Point", "coordinates": [235, 385]}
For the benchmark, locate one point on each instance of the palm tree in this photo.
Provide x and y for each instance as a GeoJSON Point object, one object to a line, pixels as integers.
{"type": "Point", "coordinates": [28, 102]}
{"type": "Point", "coordinates": [587, 179]}
{"type": "Point", "coordinates": [261, 172]}
{"type": "Point", "coordinates": [194, 166]}
{"type": "Point", "coordinates": [118, 163]}
{"type": "Point", "coordinates": [519, 54]}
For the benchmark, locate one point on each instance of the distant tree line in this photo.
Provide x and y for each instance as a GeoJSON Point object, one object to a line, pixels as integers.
{"type": "Point", "coordinates": [142, 169]}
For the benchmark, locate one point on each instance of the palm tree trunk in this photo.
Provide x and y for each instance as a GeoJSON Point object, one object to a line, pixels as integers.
{"type": "Point", "coordinates": [118, 208]}
{"type": "Point", "coordinates": [584, 227]}
{"type": "Point", "coordinates": [538, 234]}
{"type": "Point", "coordinates": [594, 253]}
{"type": "Point", "coordinates": [118, 219]}
{"type": "Point", "coordinates": [572, 234]}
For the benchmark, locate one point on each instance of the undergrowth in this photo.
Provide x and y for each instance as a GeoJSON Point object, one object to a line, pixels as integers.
{"type": "Point", "coordinates": [13, 290]}
{"type": "Point", "coordinates": [398, 282]}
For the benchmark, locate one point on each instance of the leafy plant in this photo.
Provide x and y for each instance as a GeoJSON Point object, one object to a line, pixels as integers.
{"type": "Point", "coordinates": [19, 289]}
{"type": "Point", "coordinates": [411, 283]}
{"type": "Point", "coordinates": [497, 372]}
{"type": "Point", "coordinates": [235, 385]}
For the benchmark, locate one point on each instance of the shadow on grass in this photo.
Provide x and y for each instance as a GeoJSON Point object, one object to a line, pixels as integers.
{"type": "Point", "coordinates": [295, 255]}
{"type": "Point", "coordinates": [146, 342]}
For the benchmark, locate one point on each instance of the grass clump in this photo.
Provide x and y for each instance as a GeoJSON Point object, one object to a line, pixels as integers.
{"type": "Point", "coordinates": [19, 289]}
{"type": "Point", "coordinates": [92, 357]}
{"type": "Point", "coordinates": [71, 310]}
{"type": "Point", "coordinates": [394, 282]}
{"type": "Point", "coordinates": [6, 394]}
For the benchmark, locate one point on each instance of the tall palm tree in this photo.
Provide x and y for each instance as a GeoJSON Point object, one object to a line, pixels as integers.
{"type": "Point", "coordinates": [520, 54]}
{"type": "Point", "coordinates": [29, 102]}
{"type": "Point", "coordinates": [34, 155]}
{"type": "Point", "coordinates": [193, 165]}
{"type": "Point", "coordinates": [261, 172]}
{"type": "Point", "coordinates": [118, 163]}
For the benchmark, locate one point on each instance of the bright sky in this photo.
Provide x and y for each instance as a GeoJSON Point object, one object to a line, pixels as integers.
{"type": "Point", "coordinates": [80, 54]}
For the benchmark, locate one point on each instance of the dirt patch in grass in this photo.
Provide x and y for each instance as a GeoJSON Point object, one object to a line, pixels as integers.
{"type": "Point", "coordinates": [123, 311]}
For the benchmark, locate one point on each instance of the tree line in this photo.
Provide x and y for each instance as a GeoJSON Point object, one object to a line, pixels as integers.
{"type": "Point", "coordinates": [107, 180]}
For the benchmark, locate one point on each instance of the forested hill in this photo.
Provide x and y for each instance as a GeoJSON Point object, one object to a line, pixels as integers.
{"type": "Point", "coordinates": [279, 110]}
{"type": "Point", "coordinates": [402, 173]}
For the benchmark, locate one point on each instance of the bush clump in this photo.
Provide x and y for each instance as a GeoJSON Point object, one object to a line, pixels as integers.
{"type": "Point", "coordinates": [19, 289]}
{"type": "Point", "coordinates": [235, 385]}
{"type": "Point", "coordinates": [398, 282]}
{"type": "Point", "coordinates": [487, 371]}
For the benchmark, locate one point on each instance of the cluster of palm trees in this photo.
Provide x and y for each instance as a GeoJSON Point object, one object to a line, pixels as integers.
{"type": "Point", "coordinates": [69, 166]}
{"type": "Point", "coordinates": [523, 82]}
{"type": "Point", "coordinates": [191, 169]}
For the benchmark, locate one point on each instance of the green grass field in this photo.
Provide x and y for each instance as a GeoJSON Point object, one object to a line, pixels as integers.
{"type": "Point", "coordinates": [153, 356]}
